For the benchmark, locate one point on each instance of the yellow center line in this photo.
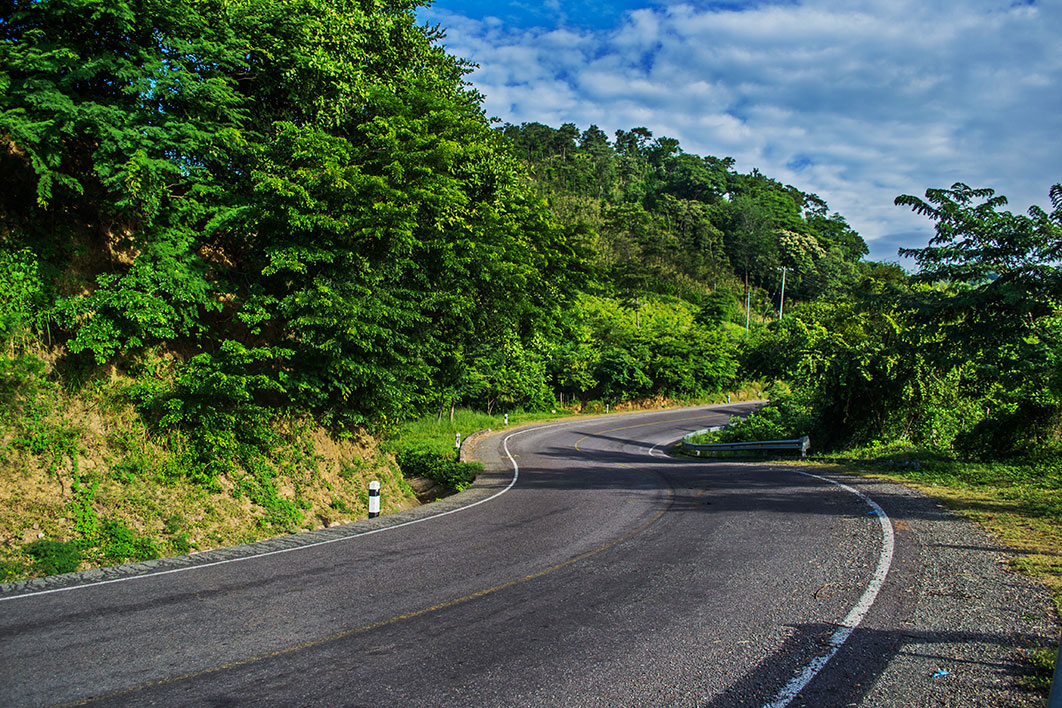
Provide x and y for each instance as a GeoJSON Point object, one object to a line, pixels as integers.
{"type": "Point", "coordinates": [631, 427]}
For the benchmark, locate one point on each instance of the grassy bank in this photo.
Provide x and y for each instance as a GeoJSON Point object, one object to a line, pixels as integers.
{"type": "Point", "coordinates": [85, 482]}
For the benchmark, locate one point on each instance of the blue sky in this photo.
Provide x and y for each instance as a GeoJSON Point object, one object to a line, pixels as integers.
{"type": "Point", "coordinates": [856, 102]}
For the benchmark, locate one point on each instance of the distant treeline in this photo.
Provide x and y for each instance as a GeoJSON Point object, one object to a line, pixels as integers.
{"type": "Point", "coordinates": [671, 222]}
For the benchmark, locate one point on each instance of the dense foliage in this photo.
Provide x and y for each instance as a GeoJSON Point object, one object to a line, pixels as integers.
{"type": "Point", "coordinates": [302, 206]}
{"type": "Point", "coordinates": [233, 223]}
{"type": "Point", "coordinates": [301, 201]}
{"type": "Point", "coordinates": [674, 223]}
{"type": "Point", "coordinates": [299, 208]}
{"type": "Point", "coordinates": [965, 358]}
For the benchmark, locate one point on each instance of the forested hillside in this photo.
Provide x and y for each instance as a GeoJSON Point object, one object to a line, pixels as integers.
{"type": "Point", "coordinates": [669, 222]}
{"type": "Point", "coordinates": [235, 220]}
{"type": "Point", "coordinates": [962, 358]}
{"type": "Point", "coordinates": [301, 207]}
{"type": "Point", "coordinates": [228, 230]}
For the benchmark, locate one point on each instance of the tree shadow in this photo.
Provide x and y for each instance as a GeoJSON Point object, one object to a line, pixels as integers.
{"type": "Point", "coordinates": [848, 678]}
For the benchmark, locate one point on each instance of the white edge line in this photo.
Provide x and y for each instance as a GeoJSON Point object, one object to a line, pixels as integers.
{"type": "Point", "coordinates": [309, 546]}
{"type": "Point", "coordinates": [857, 613]}
{"type": "Point", "coordinates": [512, 483]}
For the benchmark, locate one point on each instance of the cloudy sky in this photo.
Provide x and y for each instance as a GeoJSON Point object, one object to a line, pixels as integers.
{"type": "Point", "coordinates": [856, 102]}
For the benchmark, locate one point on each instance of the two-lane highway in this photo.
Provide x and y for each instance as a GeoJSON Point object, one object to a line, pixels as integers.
{"type": "Point", "coordinates": [592, 570]}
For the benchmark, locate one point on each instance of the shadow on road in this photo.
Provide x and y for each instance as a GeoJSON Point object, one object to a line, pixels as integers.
{"type": "Point", "coordinates": [851, 675]}
{"type": "Point", "coordinates": [708, 486]}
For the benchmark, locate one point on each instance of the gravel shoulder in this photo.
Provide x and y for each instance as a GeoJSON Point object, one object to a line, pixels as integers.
{"type": "Point", "coordinates": [966, 622]}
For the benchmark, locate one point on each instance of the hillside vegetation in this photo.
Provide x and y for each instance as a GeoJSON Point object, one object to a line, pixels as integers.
{"type": "Point", "coordinates": [243, 244]}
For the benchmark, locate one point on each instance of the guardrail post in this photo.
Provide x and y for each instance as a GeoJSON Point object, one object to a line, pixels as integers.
{"type": "Point", "coordinates": [374, 499]}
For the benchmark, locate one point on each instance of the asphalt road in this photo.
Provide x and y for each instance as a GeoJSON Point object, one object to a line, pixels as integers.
{"type": "Point", "coordinates": [586, 568]}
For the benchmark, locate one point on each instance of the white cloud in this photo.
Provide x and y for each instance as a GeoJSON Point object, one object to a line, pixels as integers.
{"type": "Point", "coordinates": [856, 105]}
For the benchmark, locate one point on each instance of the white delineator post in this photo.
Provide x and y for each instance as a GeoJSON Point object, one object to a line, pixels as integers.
{"type": "Point", "coordinates": [374, 499]}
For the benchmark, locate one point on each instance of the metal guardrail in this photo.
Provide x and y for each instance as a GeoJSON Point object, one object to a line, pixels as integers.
{"type": "Point", "coordinates": [801, 445]}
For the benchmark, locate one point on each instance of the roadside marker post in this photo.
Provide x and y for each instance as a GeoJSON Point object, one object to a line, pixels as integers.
{"type": "Point", "coordinates": [457, 441]}
{"type": "Point", "coordinates": [374, 499]}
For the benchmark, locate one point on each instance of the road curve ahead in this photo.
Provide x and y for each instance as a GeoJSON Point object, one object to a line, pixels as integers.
{"type": "Point", "coordinates": [586, 568]}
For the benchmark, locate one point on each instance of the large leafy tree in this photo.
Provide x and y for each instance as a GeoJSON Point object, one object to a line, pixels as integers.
{"type": "Point", "coordinates": [965, 356]}
{"type": "Point", "coordinates": [301, 190]}
{"type": "Point", "coordinates": [113, 117]}
{"type": "Point", "coordinates": [997, 305]}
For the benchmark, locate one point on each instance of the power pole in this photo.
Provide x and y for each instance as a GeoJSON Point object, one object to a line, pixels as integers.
{"type": "Point", "coordinates": [748, 297]}
{"type": "Point", "coordinates": [781, 302]}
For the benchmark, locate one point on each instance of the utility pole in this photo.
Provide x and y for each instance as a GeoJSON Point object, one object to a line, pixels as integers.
{"type": "Point", "coordinates": [781, 302]}
{"type": "Point", "coordinates": [748, 297]}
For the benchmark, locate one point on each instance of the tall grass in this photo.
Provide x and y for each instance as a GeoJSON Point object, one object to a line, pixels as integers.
{"type": "Point", "coordinates": [439, 434]}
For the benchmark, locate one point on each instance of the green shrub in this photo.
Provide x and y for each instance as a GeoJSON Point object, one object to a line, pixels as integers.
{"type": "Point", "coordinates": [779, 420]}
{"type": "Point", "coordinates": [443, 469]}
{"type": "Point", "coordinates": [259, 484]}
{"type": "Point", "coordinates": [11, 570]}
{"type": "Point", "coordinates": [22, 293]}
{"type": "Point", "coordinates": [119, 543]}
{"type": "Point", "coordinates": [213, 406]}
{"type": "Point", "coordinates": [54, 557]}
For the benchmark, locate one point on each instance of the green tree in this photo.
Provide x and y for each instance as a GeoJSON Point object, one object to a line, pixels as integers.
{"type": "Point", "coordinates": [997, 305]}
{"type": "Point", "coordinates": [302, 190]}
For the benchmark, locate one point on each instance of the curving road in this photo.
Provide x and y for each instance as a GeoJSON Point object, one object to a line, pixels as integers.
{"type": "Point", "coordinates": [585, 568]}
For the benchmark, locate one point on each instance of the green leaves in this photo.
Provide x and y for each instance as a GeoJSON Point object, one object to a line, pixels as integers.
{"type": "Point", "coordinates": [611, 353]}
{"type": "Point", "coordinates": [22, 294]}
{"type": "Point", "coordinates": [218, 404]}
{"type": "Point", "coordinates": [160, 297]}
{"type": "Point", "coordinates": [964, 359]}
{"type": "Point", "coordinates": [305, 193]}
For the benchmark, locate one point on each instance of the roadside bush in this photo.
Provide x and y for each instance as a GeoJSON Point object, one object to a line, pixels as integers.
{"type": "Point", "coordinates": [1023, 429]}
{"type": "Point", "coordinates": [213, 405]}
{"type": "Point", "coordinates": [784, 419]}
{"type": "Point", "coordinates": [54, 557]}
{"type": "Point", "coordinates": [119, 543]}
{"type": "Point", "coordinates": [443, 469]}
